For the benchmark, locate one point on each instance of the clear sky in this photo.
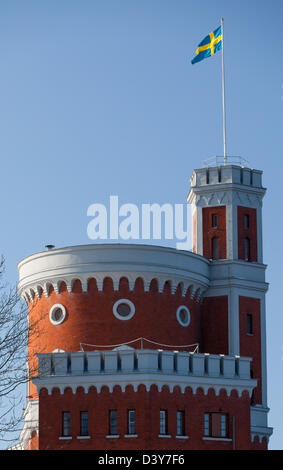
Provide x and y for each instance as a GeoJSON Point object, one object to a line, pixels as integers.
{"type": "Point", "coordinates": [99, 98]}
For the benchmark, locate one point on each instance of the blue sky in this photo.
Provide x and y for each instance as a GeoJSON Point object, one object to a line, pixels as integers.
{"type": "Point", "coordinates": [98, 98]}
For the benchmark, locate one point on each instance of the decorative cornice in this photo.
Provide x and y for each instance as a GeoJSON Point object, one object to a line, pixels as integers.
{"type": "Point", "coordinates": [259, 425]}
{"type": "Point", "coordinates": [209, 195]}
{"type": "Point", "coordinates": [148, 380]}
{"type": "Point", "coordinates": [261, 433]}
{"type": "Point", "coordinates": [178, 268]}
{"type": "Point", "coordinates": [196, 290]}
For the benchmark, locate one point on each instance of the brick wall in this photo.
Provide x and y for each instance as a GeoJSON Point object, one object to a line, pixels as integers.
{"type": "Point", "coordinates": [250, 344]}
{"type": "Point", "coordinates": [90, 318]}
{"type": "Point", "coordinates": [214, 325]}
{"type": "Point", "coordinates": [249, 232]}
{"type": "Point", "coordinates": [209, 232]}
{"type": "Point", "coordinates": [147, 405]}
{"type": "Point", "coordinates": [33, 443]}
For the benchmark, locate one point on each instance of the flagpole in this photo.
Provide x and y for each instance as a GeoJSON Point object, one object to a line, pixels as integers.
{"type": "Point", "coordinates": [223, 95]}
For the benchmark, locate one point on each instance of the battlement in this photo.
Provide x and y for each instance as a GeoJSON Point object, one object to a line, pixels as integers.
{"type": "Point", "coordinates": [144, 366]}
{"type": "Point", "coordinates": [227, 174]}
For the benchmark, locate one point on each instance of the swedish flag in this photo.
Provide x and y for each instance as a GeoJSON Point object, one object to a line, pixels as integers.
{"type": "Point", "coordinates": [209, 45]}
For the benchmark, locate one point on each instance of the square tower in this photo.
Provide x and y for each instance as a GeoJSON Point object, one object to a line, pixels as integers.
{"type": "Point", "coordinates": [227, 212]}
{"type": "Point", "coordinates": [227, 229]}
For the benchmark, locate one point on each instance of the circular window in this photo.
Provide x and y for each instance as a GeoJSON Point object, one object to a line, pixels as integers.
{"type": "Point", "coordinates": [124, 309]}
{"type": "Point", "coordinates": [57, 314]}
{"type": "Point", "coordinates": [183, 315]}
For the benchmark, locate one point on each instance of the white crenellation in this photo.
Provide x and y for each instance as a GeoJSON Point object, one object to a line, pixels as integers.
{"type": "Point", "coordinates": [235, 174]}
{"type": "Point", "coordinates": [30, 294]}
{"type": "Point", "coordinates": [144, 366]}
{"type": "Point", "coordinates": [66, 265]}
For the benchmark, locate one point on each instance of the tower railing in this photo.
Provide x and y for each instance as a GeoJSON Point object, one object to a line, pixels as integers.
{"type": "Point", "coordinates": [232, 160]}
{"type": "Point", "coordinates": [141, 342]}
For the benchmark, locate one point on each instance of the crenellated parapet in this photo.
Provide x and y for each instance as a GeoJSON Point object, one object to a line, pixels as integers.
{"type": "Point", "coordinates": [147, 367]}
{"type": "Point", "coordinates": [240, 178]}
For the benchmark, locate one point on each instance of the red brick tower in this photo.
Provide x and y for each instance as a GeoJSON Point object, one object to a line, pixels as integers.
{"type": "Point", "coordinates": [227, 228]}
{"type": "Point", "coordinates": [146, 347]}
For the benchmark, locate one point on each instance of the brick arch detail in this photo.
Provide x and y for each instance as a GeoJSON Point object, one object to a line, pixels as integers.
{"type": "Point", "coordinates": [101, 281]}
{"type": "Point", "coordinates": [172, 389]}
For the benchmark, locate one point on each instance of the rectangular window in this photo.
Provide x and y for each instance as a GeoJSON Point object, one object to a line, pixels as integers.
{"type": "Point", "coordinates": [223, 426]}
{"type": "Point", "coordinates": [215, 425]}
{"type": "Point", "coordinates": [249, 324]}
{"type": "Point", "coordinates": [214, 247]}
{"type": "Point", "coordinates": [84, 423]}
{"type": "Point", "coordinates": [214, 221]}
{"type": "Point", "coordinates": [181, 423]}
{"type": "Point", "coordinates": [247, 249]}
{"type": "Point", "coordinates": [163, 422]}
{"type": "Point", "coordinates": [131, 422]}
{"type": "Point", "coordinates": [66, 423]}
{"type": "Point", "coordinates": [246, 221]}
{"type": "Point", "coordinates": [206, 424]}
{"type": "Point", "coordinates": [113, 422]}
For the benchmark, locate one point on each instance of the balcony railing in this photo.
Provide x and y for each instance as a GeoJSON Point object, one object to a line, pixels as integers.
{"type": "Point", "coordinates": [233, 160]}
{"type": "Point", "coordinates": [144, 366]}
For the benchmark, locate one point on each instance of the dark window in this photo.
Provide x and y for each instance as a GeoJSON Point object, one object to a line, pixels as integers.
{"type": "Point", "coordinates": [207, 177]}
{"type": "Point", "coordinates": [113, 422]}
{"type": "Point", "coordinates": [84, 423]}
{"type": "Point", "coordinates": [131, 422]}
{"type": "Point", "coordinates": [246, 221]}
{"type": "Point", "coordinates": [66, 423]}
{"type": "Point", "coordinates": [215, 425]}
{"type": "Point", "coordinates": [124, 310]}
{"type": "Point", "coordinates": [247, 249]}
{"type": "Point", "coordinates": [214, 221]}
{"type": "Point", "coordinates": [163, 422]}
{"type": "Point", "coordinates": [181, 423]}
{"type": "Point", "coordinates": [249, 324]}
{"type": "Point", "coordinates": [214, 247]}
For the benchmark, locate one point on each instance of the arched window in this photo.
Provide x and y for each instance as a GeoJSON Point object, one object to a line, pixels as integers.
{"type": "Point", "coordinates": [247, 249]}
{"type": "Point", "coordinates": [214, 247]}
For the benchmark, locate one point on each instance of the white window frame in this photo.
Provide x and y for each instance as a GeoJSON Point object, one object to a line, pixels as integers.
{"type": "Point", "coordinates": [127, 302]}
{"type": "Point", "coordinates": [51, 312]}
{"type": "Point", "coordinates": [178, 312]}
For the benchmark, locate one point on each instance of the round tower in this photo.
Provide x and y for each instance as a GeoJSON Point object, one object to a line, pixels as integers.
{"type": "Point", "coordinates": [102, 296]}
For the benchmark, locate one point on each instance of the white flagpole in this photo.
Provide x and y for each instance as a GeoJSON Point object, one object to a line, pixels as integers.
{"type": "Point", "coordinates": [223, 95]}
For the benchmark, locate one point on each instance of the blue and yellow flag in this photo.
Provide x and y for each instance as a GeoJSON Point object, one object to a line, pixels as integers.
{"type": "Point", "coordinates": [209, 45]}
